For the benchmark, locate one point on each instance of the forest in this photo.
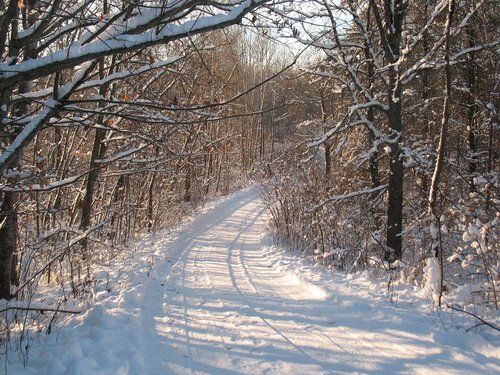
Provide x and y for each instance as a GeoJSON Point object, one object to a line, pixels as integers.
{"type": "Point", "coordinates": [371, 127]}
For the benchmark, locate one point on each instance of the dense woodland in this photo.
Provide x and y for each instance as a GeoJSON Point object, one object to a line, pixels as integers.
{"type": "Point", "coordinates": [372, 125]}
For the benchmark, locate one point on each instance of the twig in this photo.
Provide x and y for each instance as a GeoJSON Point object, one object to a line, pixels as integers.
{"type": "Point", "coordinates": [41, 309]}
{"type": "Point", "coordinates": [491, 325]}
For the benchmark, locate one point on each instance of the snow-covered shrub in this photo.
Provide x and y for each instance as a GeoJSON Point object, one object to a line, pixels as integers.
{"type": "Point", "coordinates": [333, 232]}
{"type": "Point", "coordinates": [480, 257]}
{"type": "Point", "coordinates": [432, 277]}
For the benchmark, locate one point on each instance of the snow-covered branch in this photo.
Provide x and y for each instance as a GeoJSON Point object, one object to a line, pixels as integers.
{"type": "Point", "coordinates": [338, 198]}
{"type": "Point", "coordinates": [123, 41]}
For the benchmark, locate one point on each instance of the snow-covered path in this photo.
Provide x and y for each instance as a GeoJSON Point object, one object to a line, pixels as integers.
{"type": "Point", "coordinates": [232, 310]}
{"type": "Point", "coordinates": [216, 298]}
{"type": "Point", "coordinates": [229, 305]}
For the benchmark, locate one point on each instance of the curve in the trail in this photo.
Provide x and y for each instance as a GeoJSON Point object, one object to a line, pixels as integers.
{"type": "Point", "coordinates": [228, 307]}
{"type": "Point", "coordinates": [230, 311]}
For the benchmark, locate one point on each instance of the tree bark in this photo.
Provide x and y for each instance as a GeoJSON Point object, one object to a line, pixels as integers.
{"type": "Point", "coordinates": [395, 189]}
{"type": "Point", "coordinates": [98, 150]}
{"type": "Point", "coordinates": [8, 242]}
{"type": "Point", "coordinates": [150, 218]}
{"type": "Point", "coordinates": [394, 14]}
{"type": "Point", "coordinates": [97, 153]}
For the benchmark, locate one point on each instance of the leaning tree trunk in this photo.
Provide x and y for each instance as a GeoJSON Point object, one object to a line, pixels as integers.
{"type": "Point", "coordinates": [98, 150]}
{"type": "Point", "coordinates": [438, 168]}
{"type": "Point", "coordinates": [97, 153]}
{"type": "Point", "coordinates": [150, 218]}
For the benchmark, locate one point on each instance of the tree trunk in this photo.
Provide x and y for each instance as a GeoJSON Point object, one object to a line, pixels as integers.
{"type": "Point", "coordinates": [428, 132]}
{"type": "Point", "coordinates": [8, 242]}
{"type": "Point", "coordinates": [395, 190]}
{"type": "Point", "coordinates": [370, 116]}
{"type": "Point", "coordinates": [151, 195]}
{"type": "Point", "coordinates": [8, 213]}
{"type": "Point", "coordinates": [187, 167]}
{"type": "Point", "coordinates": [326, 145]}
{"type": "Point", "coordinates": [97, 153]}
{"type": "Point", "coordinates": [98, 150]}
{"type": "Point", "coordinates": [435, 215]}
{"type": "Point", "coordinates": [187, 183]}
{"type": "Point", "coordinates": [471, 110]}
{"type": "Point", "coordinates": [394, 14]}
{"type": "Point", "coordinates": [150, 202]}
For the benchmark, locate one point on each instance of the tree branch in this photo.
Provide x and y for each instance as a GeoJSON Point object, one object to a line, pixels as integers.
{"type": "Point", "coordinates": [491, 325]}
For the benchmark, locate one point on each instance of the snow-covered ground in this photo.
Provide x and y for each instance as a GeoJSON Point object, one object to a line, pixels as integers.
{"type": "Point", "coordinates": [216, 297]}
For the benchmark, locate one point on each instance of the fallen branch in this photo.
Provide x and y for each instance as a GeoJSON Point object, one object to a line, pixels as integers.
{"type": "Point", "coordinates": [40, 309]}
{"type": "Point", "coordinates": [491, 325]}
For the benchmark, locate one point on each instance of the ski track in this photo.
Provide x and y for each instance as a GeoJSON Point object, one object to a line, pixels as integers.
{"type": "Point", "coordinates": [217, 298]}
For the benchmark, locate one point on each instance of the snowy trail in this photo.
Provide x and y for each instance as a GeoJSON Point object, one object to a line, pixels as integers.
{"type": "Point", "coordinates": [231, 306]}
{"type": "Point", "coordinates": [218, 298]}
{"type": "Point", "coordinates": [235, 312]}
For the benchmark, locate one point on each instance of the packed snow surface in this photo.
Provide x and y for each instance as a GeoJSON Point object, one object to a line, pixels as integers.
{"type": "Point", "coordinates": [215, 296]}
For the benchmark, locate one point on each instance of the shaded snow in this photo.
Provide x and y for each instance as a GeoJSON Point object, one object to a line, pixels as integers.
{"type": "Point", "coordinates": [216, 297]}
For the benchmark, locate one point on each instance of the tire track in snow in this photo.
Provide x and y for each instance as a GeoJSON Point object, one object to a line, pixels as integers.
{"type": "Point", "coordinates": [195, 241]}
{"type": "Point", "coordinates": [320, 335]}
{"type": "Point", "coordinates": [323, 336]}
{"type": "Point", "coordinates": [194, 260]}
{"type": "Point", "coordinates": [199, 264]}
{"type": "Point", "coordinates": [240, 312]}
{"type": "Point", "coordinates": [244, 228]}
